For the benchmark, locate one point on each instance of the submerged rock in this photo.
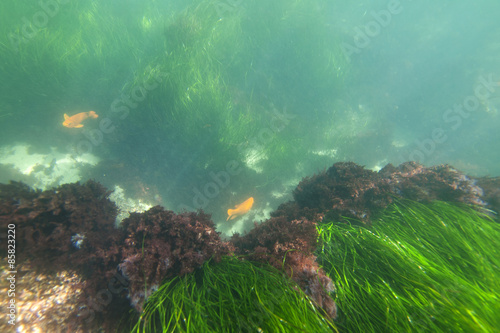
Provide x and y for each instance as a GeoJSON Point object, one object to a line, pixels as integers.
{"type": "Point", "coordinates": [161, 244]}
{"type": "Point", "coordinates": [72, 229]}
{"type": "Point", "coordinates": [349, 191]}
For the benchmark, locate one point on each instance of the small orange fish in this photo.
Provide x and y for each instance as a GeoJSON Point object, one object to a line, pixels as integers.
{"type": "Point", "coordinates": [240, 209]}
{"type": "Point", "coordinates": [75, 120]}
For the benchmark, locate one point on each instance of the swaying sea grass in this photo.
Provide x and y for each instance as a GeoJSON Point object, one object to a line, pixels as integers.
{"type": "Point", "coordinates": [420, 268]}
{"type": "Point", "coordinates": [231, 296]}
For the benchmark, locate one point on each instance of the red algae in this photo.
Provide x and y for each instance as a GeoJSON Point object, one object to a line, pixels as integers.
{"type": "Point", "coordinates": [161, 244]}
{"type": "Point", "coordinates": [347, 190]}
{"type": "Point", "coordinates": [72, 229]}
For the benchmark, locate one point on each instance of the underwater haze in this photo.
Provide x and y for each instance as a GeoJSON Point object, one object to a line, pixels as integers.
{"type": "Point", "coordinates": [204, 104]}
{"type": "Point", "coordinates": [249, 166]}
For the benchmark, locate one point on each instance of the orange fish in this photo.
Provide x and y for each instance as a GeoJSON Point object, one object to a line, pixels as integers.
{"type": "Point", "coordinates": [240, 209]}
{"type": "Point", "coordinates": [75, 120]}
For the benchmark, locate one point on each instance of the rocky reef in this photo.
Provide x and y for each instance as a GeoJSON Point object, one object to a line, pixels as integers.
{"type": "Point", "coordinates": [161, 244]}
{"type": "Point", "coordinates": [72, 228]}
{"type": "Point", "coordinates": [289, 246]}
{"type": "Point", "coordinates": [66, 223]}
{"type": "Point", "coordinates": [349, 191]}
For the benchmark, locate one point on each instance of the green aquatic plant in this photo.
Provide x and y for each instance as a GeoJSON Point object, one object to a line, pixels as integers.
{"type": "Point", "coordinates": [56, 57]}
{"type": "Point", "coordinates": [224, 73]}
{"type": "Point", "coordinates": [193, 96]}
{"type": "Point", "coordinates": [231, 296]}
{"type": "Point", "coordinates": [420, 268]}
{"type": "Point", "coordinates": [223, 68]}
